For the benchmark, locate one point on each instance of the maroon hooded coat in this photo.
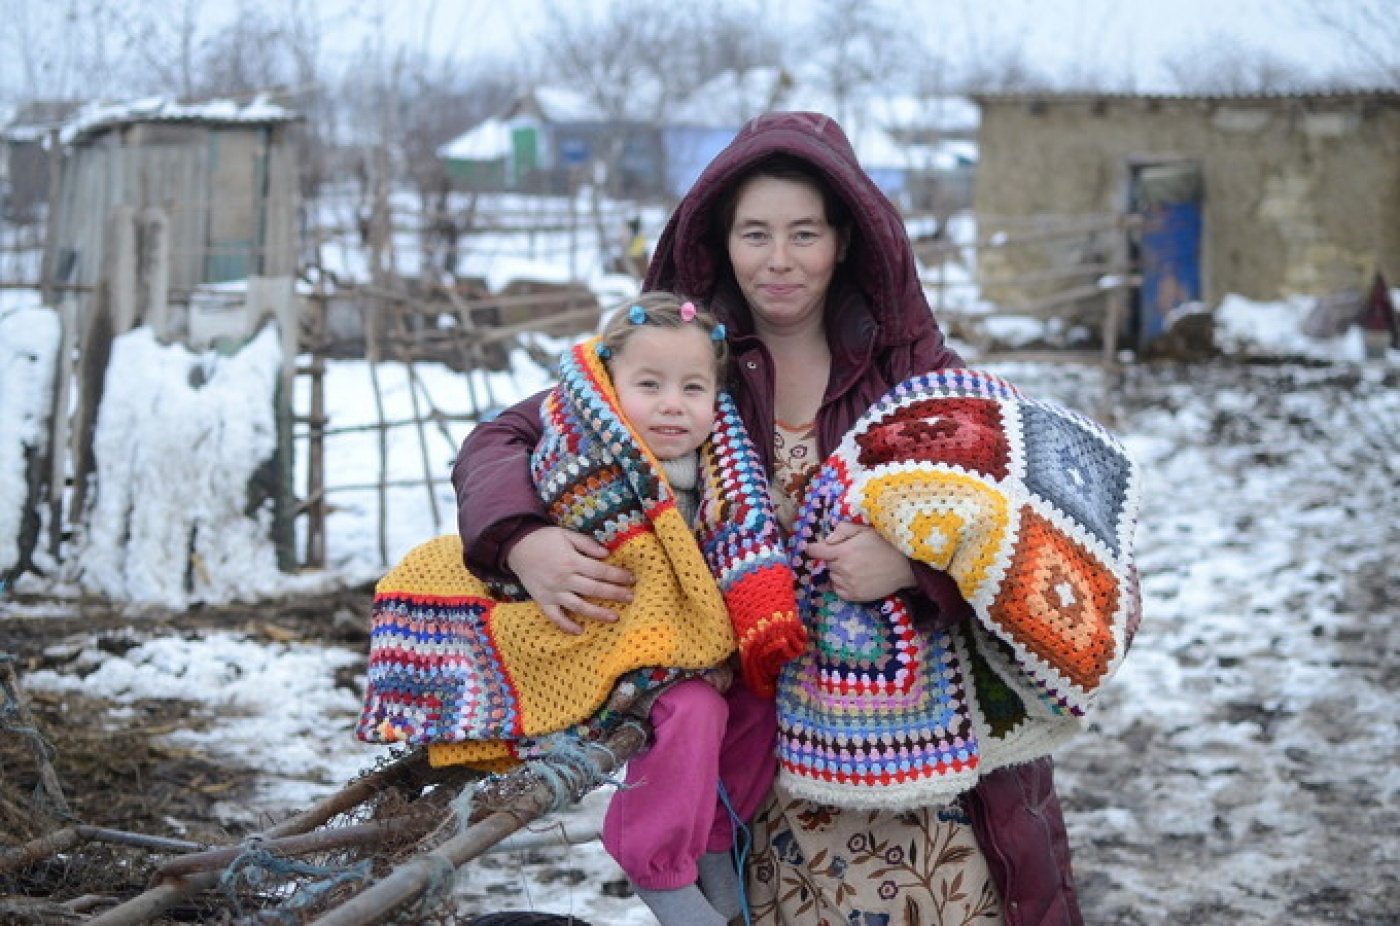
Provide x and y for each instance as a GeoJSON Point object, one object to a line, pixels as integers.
{"type": "Point", "coordinates": [881, 330]}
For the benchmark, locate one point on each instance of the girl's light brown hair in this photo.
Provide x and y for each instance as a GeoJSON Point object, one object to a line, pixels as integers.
{"type": "Point", "coordinates": [661, 309]}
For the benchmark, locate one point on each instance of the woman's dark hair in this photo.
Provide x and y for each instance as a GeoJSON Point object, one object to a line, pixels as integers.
{"type": "Point", "coordinates": [778, 167]}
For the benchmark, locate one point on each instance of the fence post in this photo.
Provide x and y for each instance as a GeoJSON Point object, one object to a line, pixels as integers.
{"type": "Point", "coordinates": [153, 270]}
{"type": "Point", "coordinates": [315, 442]}
{"type": "Point", "coordinates": [48, 264]}
{"type": "Point", "coordinates": [1117, 310]}
{"type": "Point", "coordinates": [59, 429]}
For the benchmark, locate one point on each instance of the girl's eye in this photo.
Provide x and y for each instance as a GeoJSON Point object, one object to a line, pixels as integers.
{"type": "Point", "coordinates": [804, 237]}
{"type": "Point", "coordinates": [755, 237]}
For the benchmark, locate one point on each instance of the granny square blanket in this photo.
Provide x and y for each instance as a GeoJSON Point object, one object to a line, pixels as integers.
{"type": "Point", "coordinates": [478, 673]}
{"type": "Point", "coordinates": [1031, 508]}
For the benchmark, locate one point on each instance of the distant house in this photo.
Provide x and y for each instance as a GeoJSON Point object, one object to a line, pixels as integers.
{"type": "Point", "coordinates": [921, 152]}
{"type": "Point", "coordinates": [551, 140]}
{"type": "Point", "coordinates": [1263, 195]}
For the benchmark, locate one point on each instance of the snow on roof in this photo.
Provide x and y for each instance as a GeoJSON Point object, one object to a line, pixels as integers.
{"type": "Point", "coordinates": [95, 117]}
{"type": "Point", "coordinates": [733, 98]}
{"type": "Point", "coordinates": [945, 155]}
{"type": "Point", "coordinates": [563, 104]}
{"type": "Point", "coordinates": [487, 141]}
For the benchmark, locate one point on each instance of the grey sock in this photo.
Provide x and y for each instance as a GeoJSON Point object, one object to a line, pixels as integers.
{"type": "Point", "coordinates": [719, 881]}
{"type": "Point", "coordinates": [682, 906]}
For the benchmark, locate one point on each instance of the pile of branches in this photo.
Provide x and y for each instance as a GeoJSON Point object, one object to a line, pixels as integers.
{"type": "Point", "coordinates": [383, 849]}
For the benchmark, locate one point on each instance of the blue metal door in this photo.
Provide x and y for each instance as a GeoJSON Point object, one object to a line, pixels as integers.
{"type": "Point", "coordinates": [1168, 196]}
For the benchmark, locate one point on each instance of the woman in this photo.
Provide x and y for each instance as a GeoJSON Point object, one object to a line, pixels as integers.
{"type": "Point", "coordinates": [807, 264]}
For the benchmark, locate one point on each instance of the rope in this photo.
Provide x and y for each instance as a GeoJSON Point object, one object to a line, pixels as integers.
{"type": "Point", "coordinates": [566, 770]}
{"type": "Point", "coordinates": [439, 891]}
{"type": "Point", "coordinates": [43, 749]}
{"type": "Point", "coordinates": [742, 844]}
{"type": "Point", "coordinates": [257, 870]}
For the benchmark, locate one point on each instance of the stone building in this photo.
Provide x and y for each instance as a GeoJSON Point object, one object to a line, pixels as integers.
{"type": "Point", "coordinates": [1265, 196]}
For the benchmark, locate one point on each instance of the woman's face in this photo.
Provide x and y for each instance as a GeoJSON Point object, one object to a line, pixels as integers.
{"type": "Point", "coordinates": [783, 251]}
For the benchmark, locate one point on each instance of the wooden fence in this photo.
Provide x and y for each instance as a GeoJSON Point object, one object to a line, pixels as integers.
{"type": "Point", "coordinates": [1076, 267]}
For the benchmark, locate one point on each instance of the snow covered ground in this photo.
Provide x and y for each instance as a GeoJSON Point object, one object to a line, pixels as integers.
{"type": "Point", "coordinates": [1243, 767]}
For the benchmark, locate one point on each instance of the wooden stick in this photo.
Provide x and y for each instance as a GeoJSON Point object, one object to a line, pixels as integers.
{"type": "Point", "coordinates": [149, 905]}
{"type": "Point", "coordinates": [411, 880]}
{"type": "Point", "coordinates": [70, 836]}
{"type": "Point", "coordinates": [342, 837]}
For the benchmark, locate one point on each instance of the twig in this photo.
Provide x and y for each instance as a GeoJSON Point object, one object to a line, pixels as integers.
{"type": "Point", "coordinates": [303, 844]}
{"type": "Point", "coordinates": [70, 836]}
{"type": "Point", "coordinates": [149, 905]}
{"type": "Point", "coordinates": [13, 701]}
{"type": "Point", "coordinates": [410, 881]}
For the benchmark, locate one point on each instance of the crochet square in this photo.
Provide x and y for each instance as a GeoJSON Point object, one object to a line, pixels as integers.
{"type": "Point", "coordinates": [1030, 509]}
{"type": "Point", "coordinates": [1077, 468]}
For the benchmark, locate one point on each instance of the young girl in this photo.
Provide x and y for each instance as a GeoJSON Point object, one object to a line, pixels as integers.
{"type": "Point", "coordinates": [665, 826]}
{"type": "Point", "coordinates": [635, 432]}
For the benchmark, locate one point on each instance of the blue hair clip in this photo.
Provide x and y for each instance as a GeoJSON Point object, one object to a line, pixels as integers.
{"type": "Point", "coordinates": [717, 332]}
{"type": "Point", "coordinates": [637, 315]}
{"type": "Point", "coordinates": [604, 351]}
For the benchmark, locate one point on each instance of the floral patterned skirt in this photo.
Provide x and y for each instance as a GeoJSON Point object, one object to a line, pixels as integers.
{"type": "Point", "coordinates": [814, 865]}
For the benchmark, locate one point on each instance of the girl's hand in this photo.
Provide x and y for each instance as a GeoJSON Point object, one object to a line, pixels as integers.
{"type": "Point", "coordinates": [561, 569]}
{"type": "Point", "coordinates": [863, 566]}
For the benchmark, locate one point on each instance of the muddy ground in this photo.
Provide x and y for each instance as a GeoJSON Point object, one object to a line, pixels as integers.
{"type": "Point", "coordinates": [1226, 804]}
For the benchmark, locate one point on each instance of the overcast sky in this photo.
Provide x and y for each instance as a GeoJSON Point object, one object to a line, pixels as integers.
{"type": "Point", "coordinates": [1119, 44]}
{"type": "Point", "coordinates": [1119, 38]}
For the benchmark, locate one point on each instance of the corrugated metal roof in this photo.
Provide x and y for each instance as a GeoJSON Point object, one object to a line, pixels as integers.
{"type": "Point", "coordinates": [99, 117]}
{"type": "Point", "coordinates": [1085, 96]}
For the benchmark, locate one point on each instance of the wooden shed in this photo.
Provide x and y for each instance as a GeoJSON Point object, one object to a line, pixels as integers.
{"type": "Point", "coordinates": [220, 178]}
{"type": "Point", "coordinates": [158, 204]}
{"type": "Point", "coordinates": [1265, 196]}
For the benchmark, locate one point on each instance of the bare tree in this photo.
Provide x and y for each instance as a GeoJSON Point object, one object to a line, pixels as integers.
{"type": "Point", "coordinates": [1226, 65]}
{"type": "Point", "coordinates": [858, 45]}
{"type": "Point", "coordinates": [250, 55]}
{"type": "Point", "coordinates": [437, 103]}
{"type": "Point", "coordinates": [66, 50]}
{"type": "Point", "coordinates": [1371, 29]}
{"type": "Point", "coordinates": [636, 61]}
{"type": "Point", "coordinates": [1004, 69]}
{"type": "Point", "coordinates": [164, 40]}
{"type": "Point", "coordinates": [991, 53]}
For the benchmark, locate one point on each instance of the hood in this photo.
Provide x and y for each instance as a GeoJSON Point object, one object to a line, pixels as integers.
{"type": "Point", "coordinates": [879, 264]}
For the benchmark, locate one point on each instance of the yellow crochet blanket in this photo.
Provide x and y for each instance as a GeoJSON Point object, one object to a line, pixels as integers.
{"type": "Point", "coordinates": [477, 672]}
{"type": "Point", "coordinates": [549, 680]}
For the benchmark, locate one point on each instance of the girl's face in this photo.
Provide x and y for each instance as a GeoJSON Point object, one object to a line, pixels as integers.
{"type": "Point", "coordinates": [666, 383]}
{"type": "Point", "coordinates": [784, 252]}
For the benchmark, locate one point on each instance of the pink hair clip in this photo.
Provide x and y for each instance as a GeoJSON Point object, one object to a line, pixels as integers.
{"type": "Point", "coordinates": [687, 311]}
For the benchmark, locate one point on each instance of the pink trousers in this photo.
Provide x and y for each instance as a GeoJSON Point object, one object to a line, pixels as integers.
{"type": "Point", "coordinates": [669, 812]}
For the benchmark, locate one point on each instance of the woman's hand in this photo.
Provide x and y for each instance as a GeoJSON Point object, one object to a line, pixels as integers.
{"type": "Point", "coordinates": [863, 566]}
{"type": "Point", "coordinates": [561, 569]}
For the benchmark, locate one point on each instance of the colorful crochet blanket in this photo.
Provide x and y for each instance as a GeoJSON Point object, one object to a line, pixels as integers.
{"type": "Point", "coordinates": [477, 672]}
{"type": "Point", "coordinates": [1031, 508]}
